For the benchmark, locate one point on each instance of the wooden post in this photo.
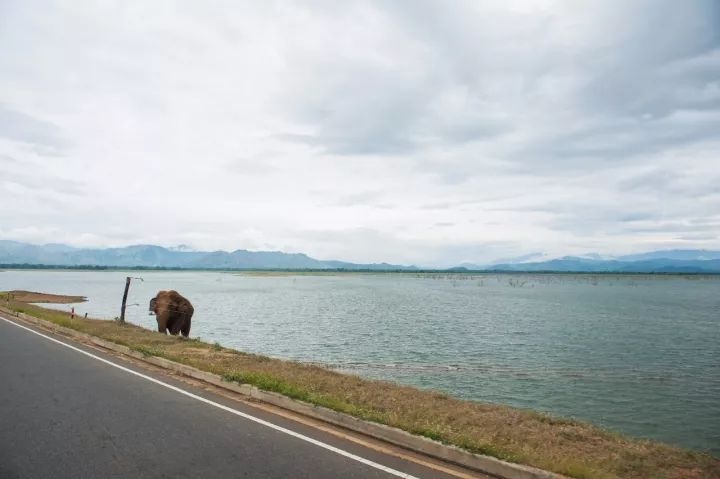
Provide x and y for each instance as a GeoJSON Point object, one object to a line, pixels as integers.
{"type": "Point", "coordinates": [122, 309]}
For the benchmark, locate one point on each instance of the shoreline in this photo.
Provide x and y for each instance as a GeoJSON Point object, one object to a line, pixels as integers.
{"type": "Point", "coordinates": [331, 271]}
{"type": "Point", "coordinates": [565, 446]}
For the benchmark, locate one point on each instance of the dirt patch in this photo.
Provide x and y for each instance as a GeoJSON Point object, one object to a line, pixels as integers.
{"type": "Point", "coordinates": [35, 297]}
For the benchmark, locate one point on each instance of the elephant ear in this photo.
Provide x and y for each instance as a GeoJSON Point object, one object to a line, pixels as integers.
{"type": "Point", "coordinates": [153, 304]}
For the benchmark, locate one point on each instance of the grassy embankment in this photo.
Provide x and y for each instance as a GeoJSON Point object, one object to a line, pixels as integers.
{"type": "Point", "coordinates": [566, 446]}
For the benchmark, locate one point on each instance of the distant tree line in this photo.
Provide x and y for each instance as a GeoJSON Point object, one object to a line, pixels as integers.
{"type": "Point", "coordinates": [458, 271]}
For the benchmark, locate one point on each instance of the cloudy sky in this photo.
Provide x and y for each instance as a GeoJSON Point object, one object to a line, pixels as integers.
{"type": "Point", "coordinates": [406, 131]}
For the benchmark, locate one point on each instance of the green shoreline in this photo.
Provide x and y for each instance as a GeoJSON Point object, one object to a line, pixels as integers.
{"type": "Point", "coordinates": [566, 446]}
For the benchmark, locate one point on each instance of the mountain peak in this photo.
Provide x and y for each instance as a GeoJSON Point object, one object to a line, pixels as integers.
{"type": "Point", "coordinates": [181, 248]}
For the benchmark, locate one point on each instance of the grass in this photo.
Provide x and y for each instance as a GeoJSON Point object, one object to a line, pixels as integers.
{"type": "Point", "coordinates": [566, 446]}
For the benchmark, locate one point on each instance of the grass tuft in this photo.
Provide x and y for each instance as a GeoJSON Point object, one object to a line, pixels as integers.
{"type": "Point", "coordinates": [146, 351]}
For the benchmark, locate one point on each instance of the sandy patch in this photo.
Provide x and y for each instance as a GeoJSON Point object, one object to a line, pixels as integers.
{"type": "Point", "coordinates": [35, 297]}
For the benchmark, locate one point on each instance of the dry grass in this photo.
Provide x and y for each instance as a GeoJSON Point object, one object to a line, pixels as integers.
{"type": "Point", "coordinates": [566, 446]}
{"type": "Point", "coordinates": [33, 297]}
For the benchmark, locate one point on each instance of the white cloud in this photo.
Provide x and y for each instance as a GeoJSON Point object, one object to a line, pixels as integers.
{"type": "Point", "coordinates": [369, 131]}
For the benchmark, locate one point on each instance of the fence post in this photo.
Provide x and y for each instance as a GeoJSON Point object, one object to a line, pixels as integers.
{"type": "Point", "coordinates": [122, 308]}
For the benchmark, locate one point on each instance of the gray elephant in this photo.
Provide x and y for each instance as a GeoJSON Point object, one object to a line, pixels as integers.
{"type": "Point", "coordinates": [173, 312]}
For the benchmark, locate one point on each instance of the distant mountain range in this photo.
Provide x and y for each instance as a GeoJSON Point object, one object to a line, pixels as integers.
{"type": "Point", "coordinates": [152, 256]}
{"type": "Point", "coordinates": [666, 261]}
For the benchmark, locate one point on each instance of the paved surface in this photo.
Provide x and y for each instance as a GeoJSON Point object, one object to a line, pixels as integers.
{"type": "Point", "coordinates": [66, 415]}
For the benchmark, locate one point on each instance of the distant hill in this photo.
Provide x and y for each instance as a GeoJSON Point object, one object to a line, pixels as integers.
{"type": "Point", "coordinates": [152, 256]}
{"type": "Point", "coordinates": [677, 254]}
{"type": "Point", "coordinates": [670, 261]}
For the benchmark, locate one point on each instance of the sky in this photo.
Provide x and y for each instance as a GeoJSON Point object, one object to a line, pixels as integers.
{"type": "Point", "coordinates": [413, 132]}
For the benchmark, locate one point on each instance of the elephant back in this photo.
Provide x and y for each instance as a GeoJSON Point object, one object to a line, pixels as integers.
{"type": "Point", "coordinates": [173, 302]}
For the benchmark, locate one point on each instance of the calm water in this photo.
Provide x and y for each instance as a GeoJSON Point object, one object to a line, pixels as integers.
{"type": "Point", "coordinates": [638, 354]}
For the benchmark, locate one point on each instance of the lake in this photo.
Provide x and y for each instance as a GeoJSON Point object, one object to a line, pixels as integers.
{"type": "Point", "coordinates": [638, 354]}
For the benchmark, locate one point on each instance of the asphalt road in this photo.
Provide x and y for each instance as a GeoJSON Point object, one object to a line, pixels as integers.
{"type": "Point", "coordinates": [64, 414]}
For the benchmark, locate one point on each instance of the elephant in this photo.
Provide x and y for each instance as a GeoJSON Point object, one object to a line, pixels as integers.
{"type": "Point", "coordinates": [173, 312]}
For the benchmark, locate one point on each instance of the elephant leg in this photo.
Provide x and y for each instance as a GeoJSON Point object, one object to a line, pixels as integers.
{"type": "Point", "coordinates": [185, 330]}
{"type": "Point", "coordinates": [174, 326]}
{"type": "Point", "coordinates": [162, 320]}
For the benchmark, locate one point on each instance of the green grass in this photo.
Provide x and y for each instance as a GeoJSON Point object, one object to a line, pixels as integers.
{"type": "Point", "coordinates": [268, 383]}
{"type": "Point", "coordinates": [147, 351]}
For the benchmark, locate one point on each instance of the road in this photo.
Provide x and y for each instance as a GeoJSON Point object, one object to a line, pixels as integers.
{"type": "Point", "coordinates": [67, 414]}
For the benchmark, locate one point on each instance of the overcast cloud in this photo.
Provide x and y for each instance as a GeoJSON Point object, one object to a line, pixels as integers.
{"type": "Point", "coordinates": [418, 132]}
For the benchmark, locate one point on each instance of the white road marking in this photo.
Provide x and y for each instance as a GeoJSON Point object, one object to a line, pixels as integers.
{"type": "Point", "coordinates": [334, 449]}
